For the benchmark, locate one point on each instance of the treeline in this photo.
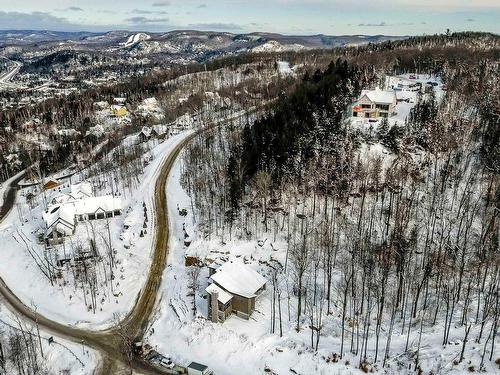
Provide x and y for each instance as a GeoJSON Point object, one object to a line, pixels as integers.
{"type": "Point", "coordinates": [314, 111]}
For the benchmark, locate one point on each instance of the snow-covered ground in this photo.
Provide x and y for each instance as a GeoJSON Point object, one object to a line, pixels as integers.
{"type": "Point", "coordinates": [240, 346]}
{"type": "Point", "coordinates": [284, 68]}
{"type": "Point", "coordinates": [274, 46]}
{"type": "Point", "coordinates": [60, 356]}
{"type": "Point", "coordinates": [135, 38]}
{"type": "Point", "coordinates": [64, 302]}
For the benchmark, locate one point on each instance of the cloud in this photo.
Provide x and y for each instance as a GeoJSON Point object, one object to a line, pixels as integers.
{"type": "Point", "coordinates": [162, 4]}
{"type": "Point", "coordinates": [70, 9]}
{"type": "Point", "coordinates": [47, 21]}
{"type": "Point", "coordinates": [145, 20]}
{"type": "Point", "coordinates": [381, 24]}
{"type": "Point", "coordinates": [384, 24]}
{"type": "Point", "coordinates": [34, 21]}
{"type": "Point", "coordinates": [144, 11]}
{"type": "Point", "coordinates": [216, 26]}
{"type": "Point", "coordinates": [471, 20]}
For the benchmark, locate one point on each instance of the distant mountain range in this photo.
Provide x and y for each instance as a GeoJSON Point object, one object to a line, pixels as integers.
{"type": "Point", "coordinates": [128, 39]}
{"type": "Point", "coordinates": [40, 50]}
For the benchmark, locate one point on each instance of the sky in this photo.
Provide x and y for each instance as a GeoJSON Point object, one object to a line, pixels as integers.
{"type": "Point", "coordinates": [299, 17]}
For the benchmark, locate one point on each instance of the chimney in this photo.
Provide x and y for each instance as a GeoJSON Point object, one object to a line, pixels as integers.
{"type": "Point", "coordinates": [214, 306]}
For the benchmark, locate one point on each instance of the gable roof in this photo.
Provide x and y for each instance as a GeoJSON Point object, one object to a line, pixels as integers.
{"type": "Point", "coordinates": [222, 296]}
{"type": "Point", "coordinates": [146, 131]}
{"type": "Point", "coordinates": [81, 190]}
{"type": "Point", "coordinates": [60, 219]}
{"type": "Point", "coordinates": [61, 214]}
{"type": "Point", "coordinates": [238, 278]}
{"type": "Point", "coordinates": [160, 129]}
{"type": "Point", "coordinates": [379, 96]}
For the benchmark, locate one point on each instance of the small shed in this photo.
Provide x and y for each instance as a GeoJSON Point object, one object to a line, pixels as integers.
{"type": "Point", "coordinates": [195, 368]}
{"type": "Point", "coordinates": [51, 184]}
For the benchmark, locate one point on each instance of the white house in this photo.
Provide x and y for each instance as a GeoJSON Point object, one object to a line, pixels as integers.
{"type": "Point", "coordinates": [375, 104]}
{"type": "Point", "coordinates": [78, 205]}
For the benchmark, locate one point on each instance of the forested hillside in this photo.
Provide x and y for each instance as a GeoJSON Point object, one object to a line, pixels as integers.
{"type": "Point", "coordinates": [391, 238]}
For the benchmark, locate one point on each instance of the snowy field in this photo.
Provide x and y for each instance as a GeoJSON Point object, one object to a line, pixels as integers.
{"type": "Point", "coordinates": [19, 246]}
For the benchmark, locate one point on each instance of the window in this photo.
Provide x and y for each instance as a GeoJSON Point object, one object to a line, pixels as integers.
{"type": "Point", "coordinates": [91, 216]}
{"type": "Point", "coordinates": [109, 214]}
{"type": "Point", "coordinates": [100, 215]}
{"type": "Point", "coordinates": [383, 107]}
{"type": "Point", "coordinates": [366, 106]}
{"type": "Point", "coordinates": [384, 114]}
{"type": "Point", "coordinates": [117, 212]}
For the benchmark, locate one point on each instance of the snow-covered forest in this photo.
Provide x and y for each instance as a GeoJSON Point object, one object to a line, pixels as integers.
{"type": "Point", "coordinates": [391, 241]}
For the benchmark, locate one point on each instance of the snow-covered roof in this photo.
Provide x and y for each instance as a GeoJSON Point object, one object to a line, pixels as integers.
{"type": "Point", "coordinates": [150, 101]}
{"type": "Point", "coordinates": [102, 104]}
{"type": "Point", "coordinates": [222, 296]}
{"type": "Point", "coordinates": [380, 96]}
{"type": "Point", "coordinates": [160, 129]}
{"type": "Point", "coordinates": [81, 190]}
{"type": "Point", "coordinates": [91, 205]}
{"type": "Point", "coordinates": [146, 131]}
{"type": "Point", "coordinates": [238, 278]}
{"type": "Point", "coordinates": [74, 192]}
{"type": "Point", "coordinates": [68, 132]}
{"type": "Point", "coordinates": [59, 218]}
{"type": "Point", "coordinates": [185, 120]}
{"type": "Point", "coordinates": [97, 131]}
{"type": "Point", "coordinates": [67, 210]}
{"type": "Point", "coordinates": [150, 107]}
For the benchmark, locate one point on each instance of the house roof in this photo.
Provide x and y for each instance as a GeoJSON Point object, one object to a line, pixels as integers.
{"type": "Point", "coordinates": [222, 296]}
{"type": "Point", "coordinates": [160, 129]}
{"type": "Point", "coordinates": [197, 366]}
{"type": "Point", "coordinates": [83, 189]}
{"type": "Point", "coordinates": [74, 192]}
{"type": "Point", "coordinates": [50, 184]}
{"type": "Point", "coordinates": [66, 211]}
{"type": "Point", "coordinates": [90, 205]}
{"type": "Point", "coordinates": [146, 131]}
{"type": "Point", "coordinates": [380, 96]}
{"type": "Point", "coordinates": [60, 219]}
{"type": "Point", "coordinates": [238, 278]}
{"type": "Point", "coordinates": [118, 107]}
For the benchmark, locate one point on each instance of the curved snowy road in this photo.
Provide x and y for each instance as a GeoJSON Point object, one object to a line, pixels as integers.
{"type": "Point", "coordinates": [113, 344]}
{"type": "Point", "coordinates": [6, 78]}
